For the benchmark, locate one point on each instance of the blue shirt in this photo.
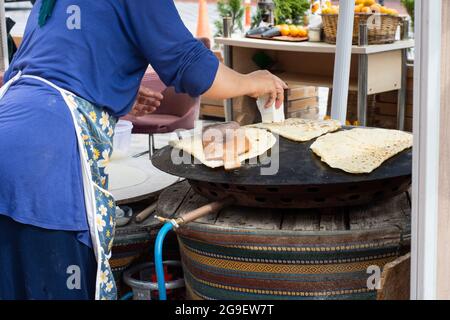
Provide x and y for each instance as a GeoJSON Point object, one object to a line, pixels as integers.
{"type": "Point", "coordinates": [105, 59]}
{"type": "Point", "coordinates": [102, 61]}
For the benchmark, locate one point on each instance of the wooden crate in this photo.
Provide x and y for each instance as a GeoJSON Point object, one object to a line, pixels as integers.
{"type": "Point", "coordinates": [307, 113]}
{"type": "Point", "coordinates": [296, 105]}
{"type": "Point", "coordinates": [246, 112]}
{"type": "Point", "coordinates": [208, 110]}
{"type": "Point", "coordinates": [390, 109]}
{"type": "Point", "coordinates": [301, 92]}
{"type": "Point", "coordinates": [389, 122]}
{"type": "Point", "coordinates": [352, 107]}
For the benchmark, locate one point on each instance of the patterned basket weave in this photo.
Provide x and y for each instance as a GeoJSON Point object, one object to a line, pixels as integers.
{"type": "Point", "coordinates": [222, 263]}
{"type": "Point", "coordinates": [382, 31]}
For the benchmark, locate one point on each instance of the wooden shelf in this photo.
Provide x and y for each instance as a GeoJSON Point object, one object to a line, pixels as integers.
{"type": "Point", "coordinates": [318, 47]}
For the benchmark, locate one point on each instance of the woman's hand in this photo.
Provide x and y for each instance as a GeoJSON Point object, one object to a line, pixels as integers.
{"type": "Point", "coordinates": [147, 101]}
{"type": "Point", "coordinates": [229, 84]}
{"type": "Point", "coordinates": [263, 83]}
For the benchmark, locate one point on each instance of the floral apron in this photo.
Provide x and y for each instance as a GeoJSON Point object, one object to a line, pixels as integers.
{"type": "Point", "coordinates": [95, 129]}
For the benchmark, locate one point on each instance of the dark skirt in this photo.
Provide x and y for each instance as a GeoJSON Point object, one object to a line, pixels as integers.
{"type": "Point", "coordinates": [43, 264]}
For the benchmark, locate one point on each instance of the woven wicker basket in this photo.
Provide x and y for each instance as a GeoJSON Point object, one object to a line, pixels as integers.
{"type": "Point", "coordinates": [382, 33]}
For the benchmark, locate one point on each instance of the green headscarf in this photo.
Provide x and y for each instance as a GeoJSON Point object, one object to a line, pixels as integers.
{"type": "Point", "coordinates": [46, 11]}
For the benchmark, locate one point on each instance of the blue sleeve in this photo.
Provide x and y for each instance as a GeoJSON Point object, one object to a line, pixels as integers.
{"type": "Point", "coordinates": [179, 59]}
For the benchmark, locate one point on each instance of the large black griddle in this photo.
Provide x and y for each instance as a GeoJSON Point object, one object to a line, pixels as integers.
{"type": "Point", "coordinates": [302, 181]}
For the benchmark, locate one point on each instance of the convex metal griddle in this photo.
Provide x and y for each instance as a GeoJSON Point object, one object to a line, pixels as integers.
{"type": "Point", "coordinates": [302, 180]}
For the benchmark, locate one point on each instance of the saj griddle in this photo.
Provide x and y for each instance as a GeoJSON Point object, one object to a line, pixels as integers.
{"type": "Point", "coordinates": [299, 180]}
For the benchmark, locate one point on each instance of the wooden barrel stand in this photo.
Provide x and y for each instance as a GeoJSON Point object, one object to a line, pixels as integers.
{"type": "Point", "coordinates": [260, 253]}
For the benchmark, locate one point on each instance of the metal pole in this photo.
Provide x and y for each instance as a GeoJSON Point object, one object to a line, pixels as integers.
{"type": "Point", "coordinates": [425, 179]}
{"type": "Point", "coordinates": [229, 116]}
{"type": "Point", "coordinates": [4, 54]}
{"type": "Point", "coordinates": [363, 63]}
{"type": "Point", "coordinates": [342, 61]}
{"type": "Point", "coordinates": [401, 105]}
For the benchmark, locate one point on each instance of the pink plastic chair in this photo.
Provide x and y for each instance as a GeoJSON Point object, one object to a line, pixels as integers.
{"type": "Point", "coordinates": [177, 111]}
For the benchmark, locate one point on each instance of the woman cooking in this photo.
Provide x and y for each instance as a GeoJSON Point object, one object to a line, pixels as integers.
{"type": "Point", "coordinates": [78, 69]}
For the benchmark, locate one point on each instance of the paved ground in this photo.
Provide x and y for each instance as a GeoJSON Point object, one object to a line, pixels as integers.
{"type": "Point", "coordinates": [188, 11]}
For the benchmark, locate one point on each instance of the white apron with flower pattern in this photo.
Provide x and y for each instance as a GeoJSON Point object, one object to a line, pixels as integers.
{"type": "Point", "coordinates": [95, 129]}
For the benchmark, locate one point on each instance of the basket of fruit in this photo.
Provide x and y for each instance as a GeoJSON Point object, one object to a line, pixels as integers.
{"type": "Point", "coordinates": [382, 22]}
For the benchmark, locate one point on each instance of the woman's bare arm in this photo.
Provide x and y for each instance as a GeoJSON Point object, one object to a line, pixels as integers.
{"type": "Point", "coordinates": [229, 84]}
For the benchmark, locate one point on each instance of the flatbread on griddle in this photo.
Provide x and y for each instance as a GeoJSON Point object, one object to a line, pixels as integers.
{"type": "Point", "coordinates": [260, 142]}
{"type": "Point", "coordinates": [361, 150]}
{"type": "Point", "coordinates": [301, 130]}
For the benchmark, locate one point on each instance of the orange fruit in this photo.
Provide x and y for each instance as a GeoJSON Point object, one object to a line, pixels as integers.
{"type": "Point", "coordinates": [366, 10]}
{"type": "Point", "coordinates": [369, 3]}
{"type": "Point", "coordinates": [384, 10]}
{"type": "Point", "coordinates": [285, 30]}
{"type": "Point", "coordinates": [375, 8]}
{"type": "Point", "coordinates": [293, 31]}
{"type": "Point", "coordinates": [359, 2]}
{"type": "Point", "coordinates": [334, 10]}
{"type": "Point", "coordinates": [315, 7]}
{"type": "Point", "coordinates": [303, 32]}
{"type": "Point", "coordinates": [358, 8]}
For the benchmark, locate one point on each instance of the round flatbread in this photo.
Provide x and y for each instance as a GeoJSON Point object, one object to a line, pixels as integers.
{"type": "Point", "coordinates": [301, 130]}
{"type": "Point", "coordinates": [361, 150]}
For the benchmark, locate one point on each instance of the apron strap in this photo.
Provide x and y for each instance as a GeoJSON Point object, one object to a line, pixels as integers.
{"type": "Point", "coordinates": [8, 84]}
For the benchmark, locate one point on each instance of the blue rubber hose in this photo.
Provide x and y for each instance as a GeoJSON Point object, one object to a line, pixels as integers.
{"type": "Point", "coordinates": [159, 259]}
{"type": "Point", "coordinates": [127, 296]}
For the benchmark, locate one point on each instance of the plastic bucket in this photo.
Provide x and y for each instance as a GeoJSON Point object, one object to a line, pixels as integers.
{"type": "Point", "coordinates": [122, 139]}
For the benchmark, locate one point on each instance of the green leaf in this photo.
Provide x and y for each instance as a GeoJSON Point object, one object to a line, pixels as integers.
{"type": "Point", "coordinates": [233, 9]}
{"type": "Point", "coordinates": [290, 10]}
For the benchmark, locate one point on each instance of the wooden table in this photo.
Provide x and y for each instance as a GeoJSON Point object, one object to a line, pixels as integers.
{"type": "Point", "coordinates": [374, 68]}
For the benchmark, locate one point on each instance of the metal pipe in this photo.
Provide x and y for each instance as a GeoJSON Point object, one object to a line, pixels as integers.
{"type": "Point", "coordinates": [228, 104]}
{"type": "Point", "coordinates": [227, 27]}
{"type": "Point", "coordinates": [363, 38]}
{"type": "Point", "coordinates": [342, 60]}
{"type": "Point", "coordinates": [405, 27]}
{"type": "Point", "coordinates": [4, 53]}
{"type": "Point", "coordinates": [401, 103]}
{"type": "Point", "coordinates": [363, 62]}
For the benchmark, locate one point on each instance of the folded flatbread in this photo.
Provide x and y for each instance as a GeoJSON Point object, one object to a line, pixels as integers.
{"type": "Point", "coordinates": [225, 141]}
{"type": "Point", "coordinates": [301, 130]}
{"type": "Point", "coordinates": [361, 150]}
{"type": "Point", "coordinates": [260, 142]}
